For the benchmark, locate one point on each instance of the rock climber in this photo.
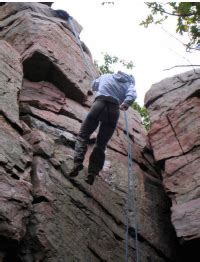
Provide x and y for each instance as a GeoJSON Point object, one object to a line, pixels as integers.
{"type": "Point", "coordinates": [114, 92]}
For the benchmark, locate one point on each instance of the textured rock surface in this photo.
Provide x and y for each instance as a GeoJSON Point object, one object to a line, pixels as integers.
{"type": "Point", "coordinates": [49, 50]}
{"type": "Point", "coordinates": [174, 107]}
{"type": "Point", "coordinates": [10, 82]}
{"type": "Point", "coordinates": [170, 92]}
{"type": "Point", "coordinates": [44, 216]}
{"type": "Point", "coordinates": [15, 154]}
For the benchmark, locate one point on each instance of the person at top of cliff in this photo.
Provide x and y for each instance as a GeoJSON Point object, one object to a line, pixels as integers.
{"type": "Point", "coordinates": [114, 92]}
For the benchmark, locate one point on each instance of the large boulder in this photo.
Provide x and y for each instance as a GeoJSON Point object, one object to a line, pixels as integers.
{"type": "Point", "coordinates": [174, 108]}
{"type": "Point", "coordinates": [170, 92]}
{"type": "Point", "coordinates": [50, 51]}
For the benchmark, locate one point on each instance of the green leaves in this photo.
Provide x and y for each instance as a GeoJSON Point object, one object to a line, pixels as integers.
{"type": "Point", "coordinates": [188, 18]}
{"type": "Point", "coordinates": [143, 113]}
{"type": "Point", "coordinates": [111, 61]}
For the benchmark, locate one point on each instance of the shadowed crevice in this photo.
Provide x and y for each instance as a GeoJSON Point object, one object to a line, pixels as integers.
{"type": "Point", "coordinates": [195, 94]}
{"type": "Point", "coordinates": [96, 255]}
{"type": "Point", "coordinates": [40, 199]}
{"type": "Point", "coordinates": [190, 249]}
{"type": "Point", "coordinates": [39, 67]}
{"type": "Point", "coordinates": [10, 249]}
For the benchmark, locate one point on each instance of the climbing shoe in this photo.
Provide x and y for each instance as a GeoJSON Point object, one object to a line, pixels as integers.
{"type": "Point", "coordinates": [90, 178]}
{"type": "Point", "coordinates": [76, 168]}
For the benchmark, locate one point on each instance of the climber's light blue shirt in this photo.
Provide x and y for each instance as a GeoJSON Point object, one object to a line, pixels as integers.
{"type": "Point", "coordinates": [119, 86]}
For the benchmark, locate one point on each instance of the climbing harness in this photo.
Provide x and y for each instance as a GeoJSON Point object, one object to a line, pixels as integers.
{"type": "Point", "coordinates": [131, 194]}
{"type": "Point", "coordinates": [131, 199]}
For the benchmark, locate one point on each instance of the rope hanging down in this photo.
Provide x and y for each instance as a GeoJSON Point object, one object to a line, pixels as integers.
{"type": "Point", "coordinates": [131, 200]}
{"type": "Point", "coordinates": [131, 196]}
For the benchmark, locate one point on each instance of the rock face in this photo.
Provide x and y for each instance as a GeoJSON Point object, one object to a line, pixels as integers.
{"type": "Point", "coordinates": [174, 108]}
{"type": "Point", "coordinates": [44, 216]}
{"type": "Point", "coordinates": [11, 82]}
{"type": "Point", "coordinates": [15, 153]}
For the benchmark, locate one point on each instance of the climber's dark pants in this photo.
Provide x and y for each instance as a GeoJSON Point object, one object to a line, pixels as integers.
{"type": "Point", "coordinates": [106, 113]}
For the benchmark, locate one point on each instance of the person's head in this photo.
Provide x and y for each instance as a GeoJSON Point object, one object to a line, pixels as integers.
{"type": "Point", "coordinates": [130, 76]}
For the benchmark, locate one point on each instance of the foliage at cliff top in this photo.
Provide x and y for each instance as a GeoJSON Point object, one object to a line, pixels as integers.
{"type": "Point", "coordinates": [188, 17]}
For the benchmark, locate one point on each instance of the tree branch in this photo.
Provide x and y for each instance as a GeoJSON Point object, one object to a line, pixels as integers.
{"type": "Point", "coordinates": [178, 66]}
{"type": "Point", "coordinates": [167, 13]}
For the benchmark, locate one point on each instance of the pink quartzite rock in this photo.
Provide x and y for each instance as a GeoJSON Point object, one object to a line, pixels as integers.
{"type": "Point", "coordinates": [164, 96]}
{"type": "Point", "coordinates": [53, 119]}
{"type": "Point", "coordinates": [15, 152]}
{"type": "Point", "coordinates": [41, 143]}
{"type": "Point", "coordinates": [46, 96]}
{"type": "Point", "coordinates": [174, 107]}
{"type": "Point", "coordinates": [163, 140]}
{"type": "Point", "coordinates": [185, 218]}
{"type": "Point", "coordinates": [9, 11]}
{"type": "Point", "coordinates": [10, 82]}
{"type": "Point", "coordinates": [45, 215]}
{"type": "Point", "coordinates": [15, 203]}
{"type": "Point", "coordinates": [49, 52]}
{"type": "Point", "coordinates": [60, 201]}
{"type": "Point", "coordinates": [42, 95]}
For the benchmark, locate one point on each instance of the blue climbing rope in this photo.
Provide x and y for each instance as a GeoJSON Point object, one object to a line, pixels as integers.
{"type": "Point", "coordinates": [131, 196]}
{"type": "Point", "coordinates": [131, 199]}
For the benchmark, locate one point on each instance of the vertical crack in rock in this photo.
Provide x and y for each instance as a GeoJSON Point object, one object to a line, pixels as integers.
{"type": "Point", "coordinates": [174, 131]}
{"type": "Point", "coordinates": [170, 123]}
